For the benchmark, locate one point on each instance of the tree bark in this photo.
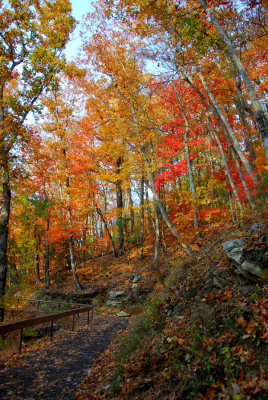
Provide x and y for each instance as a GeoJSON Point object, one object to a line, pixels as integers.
{"type": "Point", "coordinates": [260, 117]}
{"type": "Point", "coordinates": [162, 209]}
{"type": "Point", "coordinates": [70, 239]}
{"type": "Point", "coordinates": [141, 216]}
{"type": "Point", "coordinates": [107, 229]}
{"type": "Point", "coordinates": [229, 129]}
{"type": "Point", "coordinates": [131, 211]}
{"type": "Point", "coordinates": [157, 236]}
{"type": "Point", "coordinates": [47, 254]}
{"type": "Point", "coordinates": [37, 261]}
{"type": "Point", "coordinates": [5, 212]}
{"type": "Point", "coordinates": [189, 163]}
{"type": "Point", "coordinates": [231, 207]}
{"type": "Point", "coordinates": [85, 228]}
{"type": "Point", "coordinates": [119, 205]}
{"type": "Point", "coordinates": [225, 162]}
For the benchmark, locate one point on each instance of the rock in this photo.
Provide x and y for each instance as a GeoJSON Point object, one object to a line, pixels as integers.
{"type": "Point", "coordinates": [252, 267]}
{"type": "Point", "coordinates": [111, 303]}
{"type": "Point", "coordinates": [135, 289]}
{"type": "Point", "coordinates": [137, 278]}
{"type": "Point", "coordinates": [122, 314]}
{"type": "Point", "coordinates": [114, 295]}
{"type": "Point", "coordinates": [95, 301]}
{"type": "Point", "coordinates": [255, 227]}
{"type": "Point", "coordinates": [115, 298]}
{"type": "Point", "coordinates": [234, 249]}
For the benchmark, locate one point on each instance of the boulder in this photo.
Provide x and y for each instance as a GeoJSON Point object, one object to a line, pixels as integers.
{"type": "Point", "coordinates": [252, 267]}
{"type": "Point", "coordinates": [115, 298]}
{"type": "Point", "coordinates": [255, 227]}
{"type": "Point", "coordinates": [114, 295]}
{"type": "Point", "coordinates": [122, 314]}
{"type": "Point", "coordinates": [234, 249]}
{"type": "Point", "coordinates": [137, 278]}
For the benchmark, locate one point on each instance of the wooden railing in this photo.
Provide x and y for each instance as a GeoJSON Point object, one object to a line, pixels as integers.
{"type": "Point", "coordinates": [24, 323]}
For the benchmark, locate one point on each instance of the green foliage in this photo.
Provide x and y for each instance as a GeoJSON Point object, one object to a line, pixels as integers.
{"type": "Point", "coordinates": [30, 332]}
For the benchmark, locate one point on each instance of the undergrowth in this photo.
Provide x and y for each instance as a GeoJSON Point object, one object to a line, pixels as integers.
{"type": "Point", "coordinates": [204, 336]}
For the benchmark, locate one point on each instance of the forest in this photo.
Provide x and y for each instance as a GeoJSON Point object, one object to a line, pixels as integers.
{"type": "Point", "coordinates": [153, 141]}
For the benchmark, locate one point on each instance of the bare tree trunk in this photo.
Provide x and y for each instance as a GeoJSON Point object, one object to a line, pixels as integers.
{"type": "Point", "coordinates": [107, 229]}
{"type": "Point", "coordinates": [243, 107]}
{"type": "Point", "coordinates": [231, 207]}
{"type": "Point", "coordinates": [148, 210]}
{"type": "Point", "coordinates": [189, 164]}
{"type": "Point", "coordinates": [157, 236]}
{"type": "Point", "coordinates": [225, 162]}
{"type": "Point", "coordinates": [229, 129]}
{"type": "Point", "coordinates": [5, 212]}
{"type": "Point", "coordinates": [242, 178]}
{"type": "Point", "coordinates": [47, 253]}
{"type": "Point", "coordinates": [131, 211]}
{"type": "Point", "coordinates": [37, 247]}
{"type": "Point", "coordinates": [119, 205]}
{"type": "Point", "coordinates": [85, 228]}
{"type": "Point", "coordinates": [162, 209]}
{"type": "Point", "coordinates": [248, 141]}
{"type": "Point", "coordinates": [70, 239]}
{"type": "Point", "coordinates": [260, 117]}
{"type": "Point", "coordinates": [141, 216]}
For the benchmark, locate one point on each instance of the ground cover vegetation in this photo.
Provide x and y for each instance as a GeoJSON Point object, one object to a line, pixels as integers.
{"type": "Point", "coordinates": [146, 150]}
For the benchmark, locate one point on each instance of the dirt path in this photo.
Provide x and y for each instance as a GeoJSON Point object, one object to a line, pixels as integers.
{"type": "Point", "coordinates": [55, 372]}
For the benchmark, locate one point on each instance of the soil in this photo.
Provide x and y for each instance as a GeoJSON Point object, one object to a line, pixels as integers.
{"type": "Point", "coordinates": [56, 371]}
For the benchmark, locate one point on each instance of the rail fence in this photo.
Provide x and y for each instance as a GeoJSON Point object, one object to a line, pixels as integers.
{"type": "Point", "coordinates": [33, 321]}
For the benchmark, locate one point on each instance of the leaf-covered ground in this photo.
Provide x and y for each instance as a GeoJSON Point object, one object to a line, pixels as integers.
{"type": "Point", "coordinates": [203, 336]}
{"type": "Point", "coordinates": [54, 371]}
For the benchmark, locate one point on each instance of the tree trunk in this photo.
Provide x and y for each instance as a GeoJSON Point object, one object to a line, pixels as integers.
{"type": "Point", "coordinates": [225, 162]}
{"type": "Point", "coordinates": [162, 209]}
{"type": "Point", "coordinates": [248, 141]}
{"type": "Point", "coordinates": [5, 212]}
{"type": "Point", "coordinates": [148, 210]}
{"type": "Point", "coordinates": [157, 236]}
{"type": "Point", "coordinates": [189, 164]}
{"type": "Point", "coordinates": [37, 261]}
{"type": "Point", "coordinates": [47, 254]}
{"type": "Point", "coordinates": [260, 117]}
{"type": "Point", "coordinates": [242, 178]}
{"type": "Point", "coordinates": [84, 241]}
{"type": "Point", "coordinates": [119, 205]}
{"type": "Point", "coordinates": [242, 108]}
{"type": "Point", "coordinates": [231, 207]}
{"type": "Point", "coordinates": [107, 229]}
{"type": "Point", "coordinates": [229, 129]}
{"type": "Point", "coordinates": [131, 211]}
{"type": "Point", "coordinates": [141, 216]}
{"type": "Point", "coordinates": [70, 239]}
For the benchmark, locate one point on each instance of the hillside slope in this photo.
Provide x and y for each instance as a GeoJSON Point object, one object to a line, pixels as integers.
{"type": "Point", "coordinates": [202, 336]}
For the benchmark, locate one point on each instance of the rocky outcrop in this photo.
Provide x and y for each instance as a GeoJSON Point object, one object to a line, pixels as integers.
{"type": "Point", "coordinates": [234, 249]}
{"type": "Point", "coordinates": [115, 298]}
{"type": "Point", "coordinates": [249, 261]}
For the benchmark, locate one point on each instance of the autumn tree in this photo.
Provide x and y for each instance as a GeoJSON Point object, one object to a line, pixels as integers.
{"type": "Point", "coordinates": [33, 35]}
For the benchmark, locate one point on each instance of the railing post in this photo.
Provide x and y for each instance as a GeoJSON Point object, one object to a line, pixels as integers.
{"type": "Point", "coordinates": [51, 331]}
{"type": "Point", "coordinates": [20, 343]}
{"type": "Point", "coordinates": [73, 322]}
